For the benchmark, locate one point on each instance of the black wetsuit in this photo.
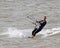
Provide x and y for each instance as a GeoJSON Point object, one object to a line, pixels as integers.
{"type": "Point", "coordinates": [36, 30]}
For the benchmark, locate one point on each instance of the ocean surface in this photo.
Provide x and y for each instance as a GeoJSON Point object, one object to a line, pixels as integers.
{"type": "Point", "coordinates": [15, 23]}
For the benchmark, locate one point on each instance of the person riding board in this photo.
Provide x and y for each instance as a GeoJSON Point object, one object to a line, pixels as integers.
{"type": "Point", "coordinates": [38, 26]}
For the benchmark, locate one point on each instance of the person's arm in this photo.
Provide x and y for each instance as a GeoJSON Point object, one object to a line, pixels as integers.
{"type": "Point", "coordinates": [34, 23]}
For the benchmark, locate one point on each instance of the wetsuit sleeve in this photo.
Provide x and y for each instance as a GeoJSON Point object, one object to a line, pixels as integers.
{"type": "Point", "coordinates": [41, 21]}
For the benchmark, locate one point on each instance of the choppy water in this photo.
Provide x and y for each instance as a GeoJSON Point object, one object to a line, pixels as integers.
{"type": "Point", "coordinates": [15, 27]}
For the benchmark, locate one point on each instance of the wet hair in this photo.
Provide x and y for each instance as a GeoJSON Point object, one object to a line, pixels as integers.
{"type": "Point", "coordinates": [44, 17]}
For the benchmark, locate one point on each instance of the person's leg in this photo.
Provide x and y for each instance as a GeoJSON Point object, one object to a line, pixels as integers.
{"type": "Point", "coordinates": [33, 32]}
{"type": "Point", "coordinates": [39, 29]}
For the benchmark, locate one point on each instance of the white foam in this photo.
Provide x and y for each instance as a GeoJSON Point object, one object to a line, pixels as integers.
{"type": "Point", "coordinates": [13, 32]}
{"type": "Point", "coordinates": [50, 32]}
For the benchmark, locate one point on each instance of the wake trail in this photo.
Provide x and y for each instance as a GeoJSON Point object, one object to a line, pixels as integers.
{"type": "Point", "coordinates": [13, 32]}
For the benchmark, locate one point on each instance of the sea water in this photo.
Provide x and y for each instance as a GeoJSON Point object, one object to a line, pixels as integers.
{"type": "Point", "coordinates": [15, 23]}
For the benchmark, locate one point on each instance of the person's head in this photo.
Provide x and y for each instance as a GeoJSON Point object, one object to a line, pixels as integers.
{"type": "Point", "coordinates": [44, 17]}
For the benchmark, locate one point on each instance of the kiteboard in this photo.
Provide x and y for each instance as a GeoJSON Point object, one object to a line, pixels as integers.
{"type": "Point", "coordinates": [29, 37]}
